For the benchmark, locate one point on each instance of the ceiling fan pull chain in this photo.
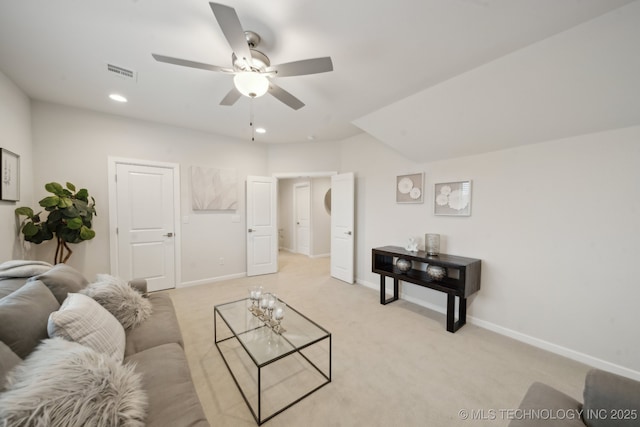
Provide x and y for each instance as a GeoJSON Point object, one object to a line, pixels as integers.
{"type": "Point", "coordinates": [253, 129]}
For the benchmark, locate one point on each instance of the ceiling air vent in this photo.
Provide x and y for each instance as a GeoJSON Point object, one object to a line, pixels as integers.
{"type": "Point", "coordinates": [122, 72]}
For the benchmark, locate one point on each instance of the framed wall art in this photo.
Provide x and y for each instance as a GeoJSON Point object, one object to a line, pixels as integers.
{"type": "Point", "coordinates": [410, 188]}
{"type": "Point", "coordinates": [213, 189]}
{"type": "Point", "coordinates": [10, 176]}
{"type": "Point", "coordinates": [453, 198]}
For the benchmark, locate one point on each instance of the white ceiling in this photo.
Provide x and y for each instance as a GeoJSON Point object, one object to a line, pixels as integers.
{"type": "Point", "coordinates": [383, 52]}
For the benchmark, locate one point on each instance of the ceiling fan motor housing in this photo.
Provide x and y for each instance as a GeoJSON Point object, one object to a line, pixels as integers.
{"type": "Point", "coordinates": [259, 62]}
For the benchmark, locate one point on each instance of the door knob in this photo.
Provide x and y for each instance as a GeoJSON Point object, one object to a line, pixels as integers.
{"type": "Point", "coordinates": [347, 232]}
{"type": "Point", "coordinates": [168, 235]}
{"type": "Point", "coordinates": [250, 230]}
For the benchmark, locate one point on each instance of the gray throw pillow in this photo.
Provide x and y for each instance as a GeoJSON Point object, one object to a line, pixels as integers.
{"type": "Point", "coordinates": [24, 315]}
{"type": "Point", "coordinates": [125, 303]}
{"type": "Point", "coordinates": [61, 280]}
{"type": "Point", "coordinates": [67, 384]}
{"type": "Point", "coordinates": [8, 359]}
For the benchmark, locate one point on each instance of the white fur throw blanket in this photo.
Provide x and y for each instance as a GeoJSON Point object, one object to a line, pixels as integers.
{"type": "Point", "coordinates": [23, 268]}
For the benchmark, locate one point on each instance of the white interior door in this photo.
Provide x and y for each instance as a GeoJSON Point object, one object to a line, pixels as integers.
{"type": "Point", "coordinates": [342, 226]}
{"type": "Point", "coordinates": [262, 225]}
{"type": "Point", "coordinates": [302, 218]}
{"type": "Point", "coordinates": [145, 223]}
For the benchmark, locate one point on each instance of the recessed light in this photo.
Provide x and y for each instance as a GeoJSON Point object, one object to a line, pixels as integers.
{"type": "Point", "coordinates": [261, 130]}
{"type": "Point", "coordinates": [117, 98]}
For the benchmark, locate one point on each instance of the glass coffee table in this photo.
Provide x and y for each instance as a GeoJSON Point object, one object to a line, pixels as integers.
{"type": "Point", "coordinates": [273, 371]}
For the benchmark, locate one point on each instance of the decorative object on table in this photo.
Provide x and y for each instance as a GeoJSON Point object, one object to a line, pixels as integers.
{"type": "Point", "coordinates": [264, 305]}
{"type": "Point", "coordinates": [278, 315]}
{"type": "Point", "coordinates": [69, 219]}
{"type": "Point", "coordinates": [409, 188]}
{"type": "Point", "coordinates": [9, 176]}
{"type": "Point", "coordinates": [453, 198]}
{"type": "Point", "coordinates": [412, 245]}
{"type": "Point", "coordinates": [213, 189]}
{"type": "Point", "coordinates": [432, 244]}
{"type": "Point", "coordinates": [436, 272]}
{"type": "Point", "coordinates": [403, 265]}
{"type": "Point", "coordinates": [255, 292]}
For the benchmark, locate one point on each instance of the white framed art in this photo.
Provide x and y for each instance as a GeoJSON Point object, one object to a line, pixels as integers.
{"type": "Point", "coordinates": [410, 188]}
{"type": "Point", "coordinates": [453, 198]}
{"type": "Point", "coordinates": [9, 176]}
{"type": "Point", "coordinates": [213, 189]}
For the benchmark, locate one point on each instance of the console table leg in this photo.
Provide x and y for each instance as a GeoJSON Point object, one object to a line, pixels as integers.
{"type": "Point", "coordinates": [383, 290]}
{"type": "Point", "coordinates": [452, 324]}
{"type": "Point", "coordinates": [451, 307]}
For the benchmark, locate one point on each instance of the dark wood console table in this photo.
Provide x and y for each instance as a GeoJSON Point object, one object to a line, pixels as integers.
{"type": "Point", "coordinates": [463, 278]}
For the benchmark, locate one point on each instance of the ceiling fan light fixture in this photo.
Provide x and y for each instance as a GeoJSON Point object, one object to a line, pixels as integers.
{"type": "Point", "coordinates": [251, 83]}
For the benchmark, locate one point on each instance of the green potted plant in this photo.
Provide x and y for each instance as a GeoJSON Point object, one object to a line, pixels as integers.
{"type": "Point", "coordinates": [69, 219]}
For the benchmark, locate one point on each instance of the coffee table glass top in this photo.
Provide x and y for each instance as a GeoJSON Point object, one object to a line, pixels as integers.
{"type": "Point", "coordinates": [260, 342]}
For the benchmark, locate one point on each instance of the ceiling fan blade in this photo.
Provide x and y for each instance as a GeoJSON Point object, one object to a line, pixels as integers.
{"type": "Point", "coordinates": [285, 97]}
{"type": "Point", "coordinates": [231, 97]}
{"type": "Point", "coordinates": [300, 68]}
{"type": "Point", "coordinates": [232, 29]}
{"type": "Point", "coordinates": [191, 64]}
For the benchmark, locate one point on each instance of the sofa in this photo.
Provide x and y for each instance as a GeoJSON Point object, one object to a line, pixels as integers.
{"type": "Point", "coordinates": [153, 351]}
{"type": "Point", "coordinates": [609, 400]}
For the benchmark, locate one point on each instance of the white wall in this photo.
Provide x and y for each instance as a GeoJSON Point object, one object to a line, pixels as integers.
{"type": "Point", "coordinates": [555, 224]}
{"type": "Point", "coordinates": [15, 126]}
{"type": "Point", "coordinates": [74, 145]}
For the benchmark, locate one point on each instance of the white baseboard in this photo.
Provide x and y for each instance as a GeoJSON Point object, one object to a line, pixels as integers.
{"type": "Point", "coordinates": [320, 256]}
{"type": "Point", "coordinates": [211, 280]}
{"type": "Point", "coordinates": [528, 339]}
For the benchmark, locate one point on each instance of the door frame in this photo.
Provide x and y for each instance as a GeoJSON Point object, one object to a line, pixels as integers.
{"type": "Point", "coordinates": [113, 162]}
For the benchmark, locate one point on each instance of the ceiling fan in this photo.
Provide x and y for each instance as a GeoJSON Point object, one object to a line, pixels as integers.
{"type": "Point", "coordinates": [251, 68]}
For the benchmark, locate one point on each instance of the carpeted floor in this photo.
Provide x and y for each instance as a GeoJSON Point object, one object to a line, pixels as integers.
{"type": "Point", "coordinates": [393, 365]}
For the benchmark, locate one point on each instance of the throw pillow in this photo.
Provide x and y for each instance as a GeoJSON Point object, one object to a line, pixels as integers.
{"type": "Point", "coordinates": [67, 384]}
{"type": "Point", "coordinates": [61, 280]}
{"type": "Point", "coordinates": [23, 317]}
{"type": "Point", "coordinates": [82, 320]}
{"type": "Point", "coordinates": [8, 359]}
{"type": "Point", "coordinates": [125, 303]}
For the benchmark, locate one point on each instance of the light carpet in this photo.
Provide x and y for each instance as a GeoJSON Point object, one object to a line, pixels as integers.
{"type": "Point", "coordinates": [392, 365]}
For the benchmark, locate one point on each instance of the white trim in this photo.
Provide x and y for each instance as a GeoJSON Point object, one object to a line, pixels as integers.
{"type": "Point", "coordinates": [212, 280]}
{"type": "Point", "coordinates": [328, 255]}
{"type": "Point", "coordinates": [113, 211]}
{"type": "Point", "coordinates": [528, 339]}
{"type": "Point", "coordinates": [290, 175]}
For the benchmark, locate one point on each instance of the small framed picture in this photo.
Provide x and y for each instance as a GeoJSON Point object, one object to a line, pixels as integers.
{"type": "Point", "coordinates": [453, 198]}
{"type": "Point", "coordinates": [9, 176]}
{"type": "Point", "coordinates": [410, 188]}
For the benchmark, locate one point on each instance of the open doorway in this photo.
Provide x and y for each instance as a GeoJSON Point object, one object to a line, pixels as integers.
{"type": "Point", "coordinates": [304, 221]}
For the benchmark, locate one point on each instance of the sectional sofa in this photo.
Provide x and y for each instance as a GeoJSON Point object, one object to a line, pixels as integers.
{"type": "Point", "coordinates": [153, 350]}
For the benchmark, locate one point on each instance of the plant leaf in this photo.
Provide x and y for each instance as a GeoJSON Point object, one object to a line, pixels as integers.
{"type": "Point", "coordinates": [71, 187]}
{"type": "Point", "coordinates": [50, 201]}
{"type": "Point", "coordinates": [87, 233]}
{"type": "Point", "coordinates": [74, 223]}
{"type": "Point", "coordinates": [24, 210]}
{"type": "Point", "coordinates": [53, 187]}
{"type": "Point", "coordinates": [65, 202]}
{"type": "Point", "coordinates": [83, 194]}
{"type": "Point", "coordinates": [29, 229]}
